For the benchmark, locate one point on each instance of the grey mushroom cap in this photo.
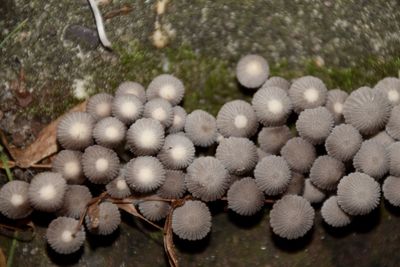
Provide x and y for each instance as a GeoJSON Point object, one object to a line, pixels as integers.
{"type": "Point", "coordinates": [312, 193]}
{"type": "Point", "coordinates": [393, 125]}
{"type": "Point", "coordinates": [252, 71]}
{"type": "Point", "coordinates": [174, 186]}
{"type": "Point", "coordinates": [207, 178]}
{"type": "Point", "coordinates": [167, 87]}
{"type": "Point", "coordinates": [390, 88]}
{"type": "Point", "coordinates": [154, 210]}
{"type": "Point", "coordinates": [333, 215]}
{"type": "Point", "coordinates": [63, 236]}
{"type": "Point", "coordinates": [244, 197]}
{"type": "Point", "coordinates": [201, 128]}
{"type": "Point", "coordinates": [272, 139]}
{"type": "Point", "coordinates": [131, 88]}
{"type": "Point", "coordinates": [107, 220]}
{"type": "Point", "coordinates": [68, 164]}
{"type": "Point", "coordinates": [46, 191]}
{"type": "Point", "coordinates": [145, 137]}
{"type": "Point", "coordinates": [394, 159]}
{"type": "Point", "coordinates": [109, 132]}
{"type": "Point", "coordinates": [326, 172]}
{"type": "Point", "coordinates": [272, 106]}
{"type": "Point", "coordinates": [358, 194]}
{"type": "Point", "coordinates": [307, 92]}
{"type": "Point", "coordinates": [299, 154]}
{"type": "Point", "coordinates": [14, 203]}
{"type": "Point", "coordinates": [178, 121]}
{"type": "Point", "coordinates": [334, 103]}
{"type": "Point", "coordinates": [118, 188]}
{"type": "Point", "coordinates": [277, 82]}
{"type": "Point", "coordinates": [315, 124]}
{"type": "Point", "coordinates": [383, 138]}
{"type": "Point", "coordinates": [127, 108]}
{"type": "Point", "coordinates": [296, 184]}
{"type": "Point", "coordinates": [74, 131]}
{"type": "Point", "coordinates": [391, 190]}
{"type": "Point", "coordinates": [177, 152]}
{"type": "Point", "coordinates": [237, 118]}
{"type": "Point", "coordinates": [159, 109]}
{"type": "Point", "coordinates": [372, 159]}
{"type": "Point", "coordinates": [343, 142]}
{"type": "Point", "coordinates": [291, 217]}
{"type": "Point", "coordinates": [75, 201]}
{"type": "Point", "coordinates": [367, 110]}
{"type": "Point", "coordinates": [192, 220]}
{"type": "Point", "coordinates": [228, 152]}
{"type": "Point", "coordinates": [272, 175]}
{"type": "Point", "coordinates": [99, 105]}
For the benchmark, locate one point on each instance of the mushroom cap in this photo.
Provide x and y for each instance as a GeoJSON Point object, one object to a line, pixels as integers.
{"type": "Point", "coordinates": [131, 88]}
{"type": "Point", "coordinates": [118, 188]}
{"type": "Point", "coordinates": [174, 186]}
{"type": "Point", "coordinates": [333, 215]}
{"type": "Point", "coordinates": [106, 220]}
{"type": "Point", "coordinates": [192, 220]}
{"type": "Point", "coordinates": [272, 106]}
{"type": "Point", "coordinates": [391, 190]}
{"type": "Point", "coordinates": [358, 194]}
{"type": "Point", "coordinates": [154, 210]}
{"type": "Point", "coordinates": [315, 124]}
{"type": "Point", "coordinates": [178, 121]}
{"type": "Point", "coordinates": [127, 108]}
{"type": "Point", "coordinates": [68, 164]}
{"type": "Point", "coordinates": [252, 71]}
{"type": "Point", "coordinates": [394, 159]}
{"type": "Point", "coordinates": [291, 217]}
{"type": "Point", "coordinates": [201, 128]}
{"type": "Point", "coordinates": [296, 184]}
{"type": "Point", "coordinates": [74, 131]}
{"type": "Point", "coordinates": [272, 175]}
{"type": "Point", "coordinates": [75, 201]}
{"type": "Point", "coordinates": [272, 139]}
{"type": "Point", "coordinates": [167, 87]}
{"type": "Point", "coordinates": [393, 125]}
{"type": "Point", "coordinates": [63, 237]}
{"type": "Point", "coordinates": [372, 159]}
{"type": "Point", "coordinates": [244, 197]}
{"type": "Point", "coordinates": [177, 152]}
{"type": "Point", "coordinates": [312, 193]}
{"type": "Point", "coordinates": [207, 178]}
{"type": "Point", "coordinates": [390, 88]}
{"type": "Point", "coordinates": [109, 132]}
{"type": "Point", "coordinates": [276, 81]}
{"type": "Point", "coordinates": [99, 105]}
{"type": "Point", "coordinates": [367, 110]}
{"type": "Point", "coordinates": [343, 142]}
{"type": "Point", "coordinates": [299, 154]}
{"type": "Point", "coordinates": [237, 118]}
{"type": "Point", "coordinates": [334, 103]}
{"type": "Point", "coordinates": [159, 109]}
{"type": "Point", "coordinates": [307, 92]}
{"type": "Point", "coordinates": [383, 138]}
{"type": "Point", "coordinates": [14, 203]}
{"type": "Point", "coordinates": [326, 172]}
{"type": "Point", "coordinates": [145, 137]}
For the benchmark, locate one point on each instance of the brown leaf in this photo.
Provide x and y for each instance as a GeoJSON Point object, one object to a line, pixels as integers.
{"type": "Point", "coordinates": [44, 146]}
{"type": "Point", "coordinates": [169, 246]}
{"type": "Point", "coordinates": [3, 261]}
{"type": "Point", "coordinates": [124, 10]}
{"type": "Point", "coordinates": [130, 208]}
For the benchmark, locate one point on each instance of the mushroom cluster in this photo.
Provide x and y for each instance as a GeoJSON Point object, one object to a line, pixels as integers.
{"type": "Point", "coordinates": [296, 144]}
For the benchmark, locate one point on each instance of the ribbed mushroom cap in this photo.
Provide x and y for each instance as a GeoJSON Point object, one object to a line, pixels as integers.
{"type": "Point", "coordinates": [178, 121]}
{"type": "Point", "coordinates": [177, 152]}
{"type": "Point", "coordinates": [307, 92]}
{"type": "Point", "coordinates": [291, 217]}
{"type": "Point", "coordinates": [237, 154]}
{"type": "Point", "coordinates": [106, 220]}
{"type": "Point", "coordinates": [118, 188]}
{"type": "Point", "coordinates": [272, 106]}
{"type": "Point", "coordinates": [131, 88]}
{"type": "Point", "coordinates": [312, 193]}
{"type": "Point", "coordinates": [145, 174]}
{"type": "Point", "coordinates": [244, 197]}
{"type": "Point", "coordinates": [272, 139]}
{"type": "Point", "coordinates": [299, 154]}
{"type": "Point", "coordinates": [154, 210]}
{"type": "Point", "coordinates": [74, 131]}
{"type": "Point", "coordinates": [159, 109]}
{"type": "Point", "coordinates": [100, 164]}
{"type": "Point", "coordinates": [127, 108]}
{"type": "Point", "coordinates": [252, 71]}
{"type": "Point", "coordinates": [367, 110]}
{"type": "Point", "coordinates": [272, 175]}
{"type": "Point", "coordinates": [99, 105]}
{"type": "Point", "coordinates": [68, 164]}
{"type": "Point", "coordinates": [14, 203]}
{"type": "Point", "coordinates": [75, 201]}
{"type": "Point", "coordinates": [315, 124]}
{"type": "Point", "coordinates": [358, 194]}
{"type": "Point", "coordinates": [167, 87]}
{"type": "Point", "coordinates": [383, 138]}
{"type": "Point", "coordinates": [201, 128]}
{"type": "Point", "coordinates": [391, 190]}
{"type": "Point", "coordinates": [207, 178]}
{"type": "Point", "coordinates": [333, 215]}
{"type": "Point", "coordinates": [277, 82]}
{"type": "Point", "coordinates": [237, 118]}
{"type": "Point", "coordinates": [63, 237]}
{"type": "Point", "coordinates": [262, 154]}
{"type": "Point", "coordinates": [109, 132]}
{"type": "Point", "coordinates": [296, 184]}
{"type": "Point", "coordinates": [393, 125]}
{"type": "Point", "coordinates": [334, 103]}
{"type": "Point", "coordinates": [372, 159]}
{"type": "Point", "coordinates": [394, 159]}
{"type": "Point", "coordinates": [390, 88]}
{"type": "Point", "coordinates": [174, 185]}
{"type": "Point", "coordinates": [343, 142]}
{"type": "Point", "coordinates": [326, 172]}
{"type": "Point", "coordinates": [145, 137]}
{"type": "Point", "coordinates": [191, 221]}
{"type": "Point", "coordinates": [46, 191]}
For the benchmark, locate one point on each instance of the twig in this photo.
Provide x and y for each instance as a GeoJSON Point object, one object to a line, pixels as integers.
{"type": "Point", "coordinates": [100, 24]}
{"type": "Point", "coordinates": [125, 9]}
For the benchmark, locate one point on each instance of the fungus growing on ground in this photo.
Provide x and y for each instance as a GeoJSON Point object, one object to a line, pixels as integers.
{"type": "Point", "coordinates": [391, 190]}
{"type": "Point", "coordinates": [178, 121]}
{"type": "Point", "coordinates": [277, 82]}
{"type": "Point", "coordinates": [75, 201]}
{"type": "Point", "coordinates": [307, 92]}
{"type": "Point", "coordinates": [127, 108]}
{"type": "Point", "coordinates": [272, 139]}
{"type": "Point", "coordinates": [333, 215]}
{"type": "Point", "coordinates": [159, 109]}
{"type": "Point", "coordinates": [68, 164]}
{"type": "Point", "coordinates": [326, 172]}
{"type": "Point", "coordinates": [108, 220]}
{"type": "Point", "coordinates": [145, 137]}
{"type": "Point", "coordinates": [299, 154]}
{"type": "Point", "coordinates": [312, 193]}
{"type": "Point", "coordinates": [167, 87]}
{"type": "Point", "coordinates": [201, 128]}
{"type": "Point", "coordinates": [74, 131]}
{"type": "Point", "coordinates": [99, 106]}
{"type": "Point", "coordinates": [177, 152]}
{"type": "Point", "coordinates": [154, 210]}
{"type": "Point", "coordinates": [343, 142]}
{"type": "Point", "coordinates": [383, 138]}
{"type": "Point", "coordinates": [109, 132]}
{"type": "Point", "coordinates": [393, 125]}
{"type": "Point", "coordinates": [315, 125]}
{"type": "Point", "coordinates": [390, 88]}
{"type": "Point", "coordinates": [296, 184]}
{"type": "Point", "coordinates": [252, 71]}
{"type": "Point", "coordinates": [131, 88]}
{"type": "Point", "coordinates": [334, 103]}
{"type": "Point", "coordinates": [14, 203]}
{"type": "Point", "coordinates": [174, 185]}
{"type": "Point", "coordinates": [394, 159]}
{"type": "Point", "coordinates": [372, 159]}
{"type": "Point", "coordinates": [118, 188]}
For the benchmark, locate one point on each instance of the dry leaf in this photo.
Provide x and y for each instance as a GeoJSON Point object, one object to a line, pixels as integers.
{"type": "Point", "coordinates": [169, 246]}
{"type": "Point", "coordinates": [44, 146]}
{"type": "Point", "coordinates": [3, 261]}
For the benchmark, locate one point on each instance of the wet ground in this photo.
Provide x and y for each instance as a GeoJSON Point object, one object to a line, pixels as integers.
{"type": "Point", "coordinates": [346, 43]}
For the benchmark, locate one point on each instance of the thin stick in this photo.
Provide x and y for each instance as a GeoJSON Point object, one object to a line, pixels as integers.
{"type": "Point", "coordinates": [100, 24]}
